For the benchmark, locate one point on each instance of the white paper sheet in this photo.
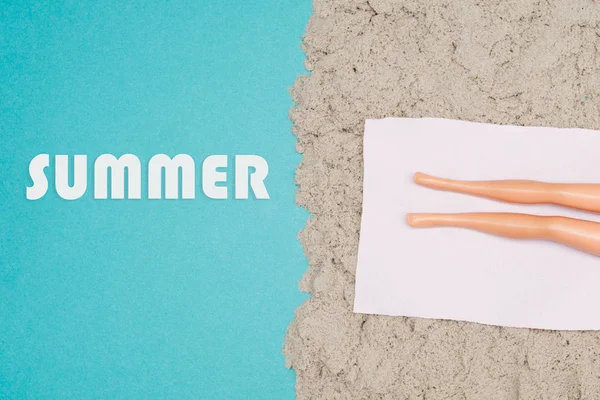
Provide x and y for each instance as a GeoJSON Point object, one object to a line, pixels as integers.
{"type": "Point", "coordinates": [453, 273]}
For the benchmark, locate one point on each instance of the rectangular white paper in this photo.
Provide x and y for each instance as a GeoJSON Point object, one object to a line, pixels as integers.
{"type": "Point", "coordinates": [453, 273]}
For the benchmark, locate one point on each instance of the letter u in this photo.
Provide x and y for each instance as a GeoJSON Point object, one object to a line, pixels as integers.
{"type": "Point", "coordinates": [62, 177]}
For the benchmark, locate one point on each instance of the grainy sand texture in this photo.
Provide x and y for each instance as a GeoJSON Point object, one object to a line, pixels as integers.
{"type": "Point", "coordinates": [518, 62]}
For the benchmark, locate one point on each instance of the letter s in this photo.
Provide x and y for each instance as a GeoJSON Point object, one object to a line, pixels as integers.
{"type": "Point", "coordinates": [36, 172]}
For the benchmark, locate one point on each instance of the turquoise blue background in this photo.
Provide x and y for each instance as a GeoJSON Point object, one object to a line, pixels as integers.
{"type": "Point", "coordinates": [147, 299]}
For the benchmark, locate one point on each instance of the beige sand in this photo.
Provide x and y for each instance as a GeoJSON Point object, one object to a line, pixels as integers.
{"type": "Point", "coordinates": [506, 62]}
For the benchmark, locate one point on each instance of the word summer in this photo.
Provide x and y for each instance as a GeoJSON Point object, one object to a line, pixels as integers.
{"type": "Point", "coordinates": [125, 172]}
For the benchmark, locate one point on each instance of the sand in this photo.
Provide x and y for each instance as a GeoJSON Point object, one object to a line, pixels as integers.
{"type": "Point", "coordinates": [505, 62]}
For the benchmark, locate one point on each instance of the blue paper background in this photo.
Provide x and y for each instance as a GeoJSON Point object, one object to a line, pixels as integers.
{"type": "Point", "coordinates": [143, 299]}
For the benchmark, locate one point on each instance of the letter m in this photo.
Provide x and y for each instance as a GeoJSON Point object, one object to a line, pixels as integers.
{"type": "Point", "coordinates": [117, 173]}
{"type": "Point", "coordinates": [182, 162]}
